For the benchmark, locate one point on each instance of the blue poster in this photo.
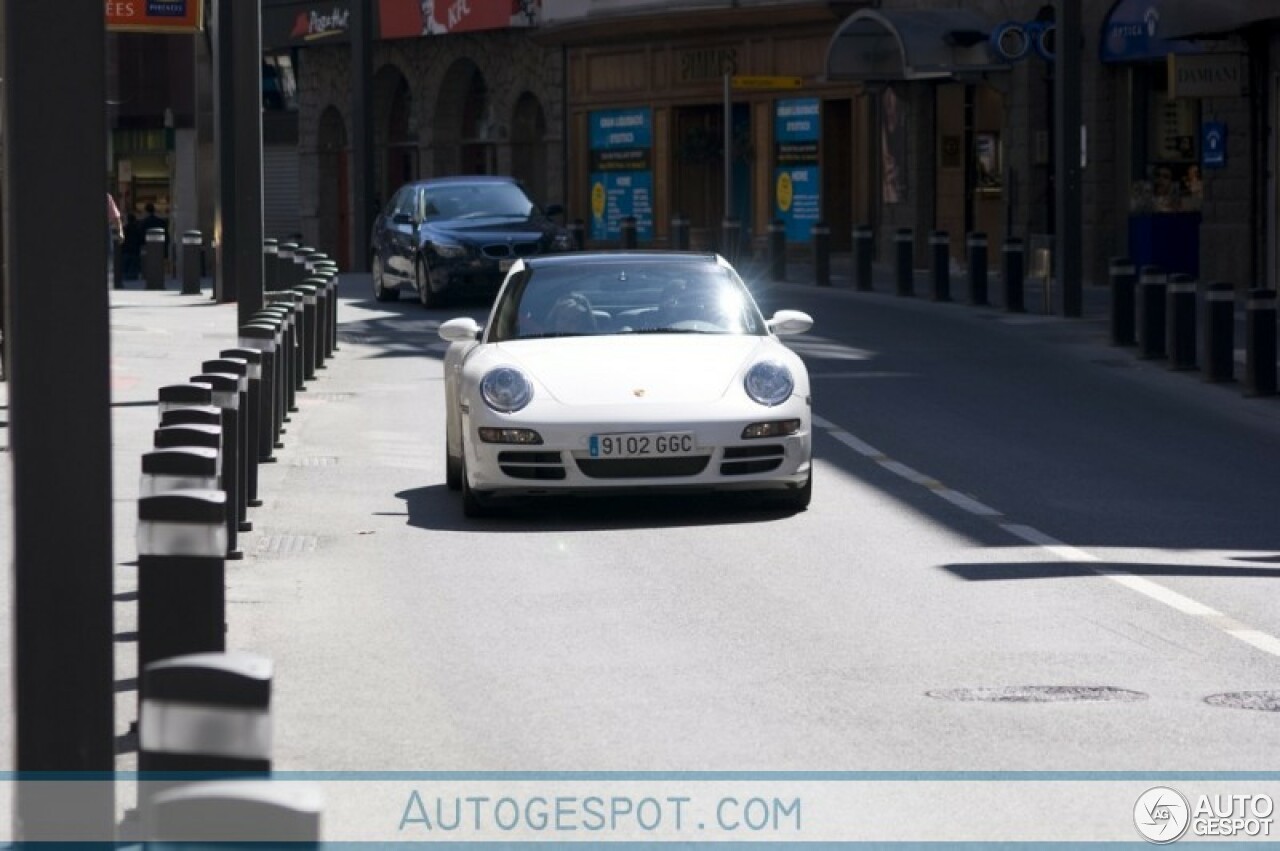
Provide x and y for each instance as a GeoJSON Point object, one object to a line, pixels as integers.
{"type": "Point", "coordinates": [1213, 144]}
{"type": "Point", "coordinates": [621, 173]}
{"type": "Point", "coordinates": [797, 180]}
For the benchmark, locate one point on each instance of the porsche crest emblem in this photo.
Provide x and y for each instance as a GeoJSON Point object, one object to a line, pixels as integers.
{"type": "Point", "coordinates": [638, 392]}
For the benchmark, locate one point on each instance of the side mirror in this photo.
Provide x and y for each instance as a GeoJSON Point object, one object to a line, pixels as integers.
{"type": "Point", "coordinates": [464, 329]}
{"type": "Point", "coordinates": [790, 322]}
{"type": "Point", "coordinates": [554, 209]}
{"type": "Point", "coordinates": [402, 219]}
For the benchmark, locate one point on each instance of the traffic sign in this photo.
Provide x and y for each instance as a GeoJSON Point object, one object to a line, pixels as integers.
{"type": "Point", "coordinates": [740, 82]}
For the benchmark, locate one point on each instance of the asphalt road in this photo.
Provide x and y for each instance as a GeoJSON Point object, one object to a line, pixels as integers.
{"type": "Point", "coordinates": [1001, 502]}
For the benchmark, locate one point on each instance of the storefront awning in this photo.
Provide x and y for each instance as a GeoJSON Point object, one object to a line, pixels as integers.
{"type": "Point", "coordinates": [1198, 18]}
{"type": "Point", "coordinates": [911, 44]}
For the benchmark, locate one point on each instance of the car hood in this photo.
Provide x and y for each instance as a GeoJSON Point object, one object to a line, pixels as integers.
{"type": "Point", "coordinates": [658, 368]}
{"type": "Point", "coordinates": [490, 229]}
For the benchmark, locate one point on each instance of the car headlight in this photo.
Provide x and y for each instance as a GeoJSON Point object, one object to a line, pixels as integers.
{"type": "Point", "coordinates": [505, 389]}
{"type": "Point", "coordinates": [769, 383]}
{"type": "Point", "coordinates": [562, 242]}
{"type": "Point", "coordinates": [444, 249]}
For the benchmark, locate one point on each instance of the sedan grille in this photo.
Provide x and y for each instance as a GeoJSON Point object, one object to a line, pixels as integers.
{"type": "Point", "coordinates": [643, 468]}
{"type": "Point", "coordinates": [746, 460]}
{"type": "Point", "coordinates": [502, 250]}
{"type": "Point", "coordinates": [531, 465]}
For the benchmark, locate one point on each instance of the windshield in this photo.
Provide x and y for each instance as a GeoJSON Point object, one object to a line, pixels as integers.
{"type": "Point", "coordinates": [625, 297]}
{"type": "Point", "coordinates": [476, 201]}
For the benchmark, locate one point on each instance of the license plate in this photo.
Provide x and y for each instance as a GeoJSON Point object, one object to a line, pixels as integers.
{"type": "Point", "coordinates": [643, 445]}
{"type": "Point", "coordinates": [505, 265]}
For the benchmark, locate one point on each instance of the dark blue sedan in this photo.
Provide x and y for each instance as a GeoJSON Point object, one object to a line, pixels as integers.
{"type": "Point", "coordinates": [458, 236]}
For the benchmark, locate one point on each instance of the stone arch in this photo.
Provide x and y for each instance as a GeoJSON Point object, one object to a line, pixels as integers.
{"type": "Point", "coordinates": [466, 130]}
{"type": "Point", "coordinates": [395, 131]}
{"type": "Point", "coordinates": [333, 184]}
{"type": "Point", "coordinates": [529, 146]}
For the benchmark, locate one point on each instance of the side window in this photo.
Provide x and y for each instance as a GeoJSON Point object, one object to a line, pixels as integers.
{"type": "Point", "coordinates": [406, 202]}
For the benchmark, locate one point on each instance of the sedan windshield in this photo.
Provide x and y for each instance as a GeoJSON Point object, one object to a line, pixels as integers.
{"type": "Point", "coordinates": [625, 297]}
{"type": "Point", "coordinates": [476, 201]}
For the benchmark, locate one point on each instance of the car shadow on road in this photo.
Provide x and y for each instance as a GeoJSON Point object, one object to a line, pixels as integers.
{"type": "Point", "coordinates": [988, 572]}
{"type": "Point", "coordinates": [436, 508]}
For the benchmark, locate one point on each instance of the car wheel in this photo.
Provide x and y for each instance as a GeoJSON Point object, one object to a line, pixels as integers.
{"type": "Point", "coordinates": [798, 499]}
{"type": "Point", "coordinates": [380, 290]}
{"type": "Point", "coordinates": [474, 505]}
{"type": "Point", "coordinates": [452, 463]}
{"type": "Point", "coordinates": [422, 278]}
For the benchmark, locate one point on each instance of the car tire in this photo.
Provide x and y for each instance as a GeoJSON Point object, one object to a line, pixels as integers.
{"type": "Point", "coordinates": [474, 505]}
{"type": "Point", "coordinates": [796, 500]}
{"type": "Point", "coordinates": [452, 463]}
{"type": "Point", "coordinates": [426, 297]}
{"type": "Point", "coordinates": [380, 290]}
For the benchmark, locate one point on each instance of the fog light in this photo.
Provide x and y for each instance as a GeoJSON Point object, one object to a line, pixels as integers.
{"type": "Point", "coordinates": [777, 428]}
{"type": "Point", "coordinates": [525, 436]}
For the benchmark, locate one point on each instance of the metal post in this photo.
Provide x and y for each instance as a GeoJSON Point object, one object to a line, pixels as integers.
{"type": "Point", "coordinates": [940, 244]}
{"type": "Point", "coordinates": [1124, 281]}
{"type": "Point", "coordinates": [1068, 128]}
{"type": "Point", "coordinates": [321, 331]}
{"type": "Point", "coordinates": [864, 249]}
{"type": "Point", "coordinates": [58, 374]}
{"type": "Point", "coordinates": [192, 245]}
{"type": "Point", "coordinates": [1152, 284]}
{"type": "Point", "coordinates": [308, 331]}
{"type": "Point", "coordinates": [226, 395]}
{"type": "Point", "coordinates": [1219, 332]}
{"type": "Point", "coordinates": [265, 337]}
{"type": "Point", "coordinates": [1260, 343]}
{"type": "Point", "coordinates": [977, 245]}
{"type": "Point", "coordinates": [777, 250]}
{"type": "Point", "coordinates": [363, 186]}
{"type": "Point", "coordinates": [1180, 321]}
{"type": "Point", "coordinates": [904, 255]}
{"type": "Point", "coordinates": [253, 404]}
{"type": "Point", "coordinates": [1011, 274]}
{"type": "Point", "coordinates": [153, 259]}
{"type": "Point", "coordinates": [239, 368]}
{"type": "Point", "coordinates": [821, 235]}
{"type": "Point", "coordinates": [329, 270]}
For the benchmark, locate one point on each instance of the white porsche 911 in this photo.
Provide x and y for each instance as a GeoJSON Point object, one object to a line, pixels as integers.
{"type": "Point", "coordinates": [626, 371]}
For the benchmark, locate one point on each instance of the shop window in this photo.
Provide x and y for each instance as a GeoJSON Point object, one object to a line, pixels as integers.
{"type": "Point", "coordinates": [1166, 154]}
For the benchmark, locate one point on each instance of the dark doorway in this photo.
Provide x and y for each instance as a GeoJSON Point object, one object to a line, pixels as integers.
{"type": "Point", "coordinates": [837, 171]}
{"type": "Point", "coordinates": [699, 170]}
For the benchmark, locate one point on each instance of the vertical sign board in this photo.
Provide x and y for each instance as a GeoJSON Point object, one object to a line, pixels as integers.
{"type": "Point", "coordinates": [1213, 144]}
{"type": "Point", "coordinates": [621, 172]}
{"type": "Point", "coordinates": [155, 16]}
{"type": "Point", "coordinates": [796, 180]}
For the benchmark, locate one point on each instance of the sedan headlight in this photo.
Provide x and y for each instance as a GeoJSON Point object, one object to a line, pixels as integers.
{"type": "Point", "coordinates": [769, 383]}
{"type": "Point", "coordinates": [450, 251]}
{"type": "Point", "coordinates": [505, 389]}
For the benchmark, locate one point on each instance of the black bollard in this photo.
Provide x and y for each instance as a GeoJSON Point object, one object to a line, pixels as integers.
{"type": "Point", "coordinates": [1012, 271]}
{"type": "Point", "coordinates": [181, 574]}
{"type": "Point", "coordinates": [226, 395]}
{"type": "Point", "coordinates": [299, 271]}
{"type": "Point", "coordinates": [1260, 343]}
{"type": "Point", "coordinates": [627, 232]}
{"type": "Point", "coordinates": [679, 232]}
{"type": "Point", "coordinates": [864, 250]}
{"type": "Point", "coordinates": [270, 263]}
{"type": "Point", "coordinates": [320, 334]}
{"type": "Point", "coordinates": [1124, 281]}
{"type": "Point", "coordinates": [206, 415]}
{"type": "Point", "coordinates": [578, 230]}
{"type": "Point", "coordinates": [1152, 284]}
{"type": "Point", "coordinates": [183, 395]}
{"type": "Point", "coordinates": [1219, 332]}
{"type": "Point", "coordinates": [238, 811]}
{"type": "Point", "coordinates": [239, 368]}
{"type": "Point", "coordinates": [277, 317]}
{"type": "Point", "coordinates": [821, 235]}
{"type": "Point", "coordinates": [203, 712]}
{"type": "Point", "coordinates": [197, 435]}
{"type": "Point", "coordinates": [777, 250]}
{"type": "Point", "coordinates": [731, 239]}
{"type": "Point", "coordinates": [307, 332]}
{"type": "Point", "coordinates": [940, 246]}
{"type": "Point", "coordinates": [265, 338]}
{"type": "Point", "coordinates": [904, 261]}
{"type": "Point", "coordinates": [1180, 321]}
{"type": "Point", "coordinates": [284, 265]}
{"type": "Point", "coordinates": [153, 259]}
{"type": "Point", "coordinates": [253, 404]}
{"type": "Point", "coordinates": [976, 242]}
{"type": "Point", "coordinates": [192, 247]}
{"type": "Point", "coordinates": [180, 468]}
{"type": "Point", "coordinates": [329, 270]}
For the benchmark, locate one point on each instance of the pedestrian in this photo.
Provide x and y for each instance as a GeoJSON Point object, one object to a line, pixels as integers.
{"type": "Point", "coordinates": [115, 229]}
{"type": "Point", "coordinates": [131, 250]}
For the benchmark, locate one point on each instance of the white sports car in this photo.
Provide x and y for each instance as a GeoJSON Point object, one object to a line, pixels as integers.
{"type": "Point", "coordinates": [626, 371]}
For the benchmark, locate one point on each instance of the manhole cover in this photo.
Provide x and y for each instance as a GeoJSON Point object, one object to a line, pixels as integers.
{"type": "Point", "coordinates": [1266, 701]}
{"type": "Point", "coordinates": [287, 545]}
{"type": "Point", "coordinates": [316, 461]}
{"type": "Point", "coordinates": [1037, 694]}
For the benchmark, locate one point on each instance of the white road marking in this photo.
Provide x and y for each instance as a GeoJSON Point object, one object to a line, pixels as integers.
{"type": "Point", "coordinates": [1207, 615]}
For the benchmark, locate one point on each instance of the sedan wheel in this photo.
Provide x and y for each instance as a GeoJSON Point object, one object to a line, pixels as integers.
{"type": "Point", "coordinates": [798, 499]}
{"type": "Point", "coordinates": [380, 290]}
{"type": "Point", "coordinates": [474, 505]}
{"type": "Point", "coordinates": [426, 297]}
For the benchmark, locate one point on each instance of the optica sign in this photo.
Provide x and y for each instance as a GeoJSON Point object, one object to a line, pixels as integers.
{"type": "Point", "coordinates": [156, 16]}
